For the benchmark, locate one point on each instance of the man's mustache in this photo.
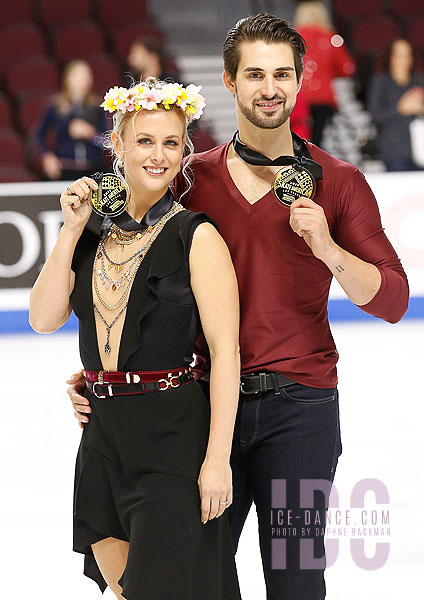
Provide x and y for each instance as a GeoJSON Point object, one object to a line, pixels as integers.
{"type": "Point", "coordinates": [263, 99]}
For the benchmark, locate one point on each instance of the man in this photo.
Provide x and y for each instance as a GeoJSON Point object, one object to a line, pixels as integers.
{"type": "Point", "coordinates": [287, 428]}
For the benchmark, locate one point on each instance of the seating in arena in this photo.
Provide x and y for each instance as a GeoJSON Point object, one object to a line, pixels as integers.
{"type": "Point", "coordinates": [78, 40]}
{"type": "Point", "coordinates": [18, 11]}
{"type": "Point", "coordinates": [6, 119]}
{"type": "Point", "coordinates": [19, 40]}
{"type": "Point", "coordinates": [32, 74]}
{"type": "Point", "coordinates": [38, 37]}
{"type": "Point", "coordinates": [110, 17]}
{"type": "Point", "coordinates": [52, 12]}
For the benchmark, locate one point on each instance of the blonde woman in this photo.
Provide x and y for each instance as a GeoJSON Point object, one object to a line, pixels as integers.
{"type": "Point", "coordinates": [152, 475]}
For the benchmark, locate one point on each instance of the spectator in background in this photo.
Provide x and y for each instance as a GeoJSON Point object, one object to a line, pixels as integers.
{"type": "Point", "coordinates": [395, 98]}
{"type": "Point", "coordinates": [147, 58]}
{"type": "Point", "coordinates": [300, 119]}
{"type": "Point", "coordinates": [69, 134]}
{"type": "Point", "coordinates": [326, 58]}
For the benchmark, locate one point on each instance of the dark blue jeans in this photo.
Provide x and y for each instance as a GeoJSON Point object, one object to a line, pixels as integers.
{"type": "Point", "coordinates": [281, 443]}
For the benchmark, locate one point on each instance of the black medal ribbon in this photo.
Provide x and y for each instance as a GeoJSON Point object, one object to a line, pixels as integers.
{"type": "Point", "coordinates": [302, 160]}
{"type": "Point", "coordinates": [127, 223]}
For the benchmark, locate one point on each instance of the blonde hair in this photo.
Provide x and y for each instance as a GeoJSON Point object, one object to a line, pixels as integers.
{"type": "Point", "coordinates": [120, 120]}
{"type": "Point", "coordinates": [312, 13]}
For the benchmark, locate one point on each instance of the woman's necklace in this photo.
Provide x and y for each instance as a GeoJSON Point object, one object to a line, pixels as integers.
{"type": "Point", "coordinates": [136, 259]}
{"type": "Point", "coordinates": [123, 238]}
{"type": "Point", "coordinates": [109, 327]}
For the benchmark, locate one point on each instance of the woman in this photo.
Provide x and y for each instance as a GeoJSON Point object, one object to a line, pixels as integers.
{"type": "Point", "coordinates": [69, 135]}
{"type": "Point", "coordinates": [142, 291]}
{"type": "Point", "coordinates": [326, 59]}
{"type": "Point", "coordinates": [395, 98]}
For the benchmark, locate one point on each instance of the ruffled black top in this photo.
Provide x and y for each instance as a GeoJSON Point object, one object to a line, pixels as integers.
{"type": "Point", "coordinates": [162, 320]}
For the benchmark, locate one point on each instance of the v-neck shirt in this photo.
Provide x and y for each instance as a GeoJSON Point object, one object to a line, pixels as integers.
{"type": "Point", "coordinates": [283, 288]}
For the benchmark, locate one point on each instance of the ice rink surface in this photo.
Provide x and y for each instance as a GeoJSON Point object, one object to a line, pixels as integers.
{"type": "Point", "coordinates": [381, 370]}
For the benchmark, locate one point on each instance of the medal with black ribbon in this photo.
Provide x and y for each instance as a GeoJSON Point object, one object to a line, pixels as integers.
{"type": "Point", "coordinates": [112, 195]}
{"type": "Point", "coordinates": [297, 177]}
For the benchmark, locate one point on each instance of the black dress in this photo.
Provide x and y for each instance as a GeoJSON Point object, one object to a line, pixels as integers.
{"type": "Point", "coordinates": [140, 456]}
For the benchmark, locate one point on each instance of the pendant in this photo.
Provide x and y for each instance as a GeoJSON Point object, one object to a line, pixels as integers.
{"type": "Point", "coordinates": [107, 348]}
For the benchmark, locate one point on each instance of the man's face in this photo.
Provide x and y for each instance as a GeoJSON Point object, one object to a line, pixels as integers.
{"type": "Point", "coordinates": [266, 86]}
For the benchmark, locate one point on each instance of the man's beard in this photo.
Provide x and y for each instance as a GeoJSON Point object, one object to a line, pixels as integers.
{"type": "Point", "coordinates": [264, 121]}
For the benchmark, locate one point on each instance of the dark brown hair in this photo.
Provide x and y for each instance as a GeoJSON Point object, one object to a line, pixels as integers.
{"type": "Point", "coordinates": [152, 45]}
{"type": "Point", "coordinates": [265, 28]}
{"type": "Point", "coordinates": [387, 55]}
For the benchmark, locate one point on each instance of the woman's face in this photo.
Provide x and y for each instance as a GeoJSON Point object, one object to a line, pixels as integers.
{"type": "Point", "coordinates": [152, 159]}
{"type": "Point", "coordinates": [79, 80]}
{"type": "Point", "coordinates": [401, 58]}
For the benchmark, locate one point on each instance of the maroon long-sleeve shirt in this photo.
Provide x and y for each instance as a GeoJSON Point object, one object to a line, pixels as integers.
{"type": "Point", "coordinates": [283, 287]}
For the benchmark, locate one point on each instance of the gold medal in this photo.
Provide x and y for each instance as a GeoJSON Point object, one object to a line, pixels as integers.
{"type": "Point", "coordinates": [112, 195]}
{"type": "Point", "coordinates": [291, 183]}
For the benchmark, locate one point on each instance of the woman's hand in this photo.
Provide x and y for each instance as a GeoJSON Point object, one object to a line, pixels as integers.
{"type": "Point", "coordinates": [411, 102]}
{"type": "Point", "coordinates": [76, 204]}
{"type": "Point", "coordinates": [80, 129]}
{"type": "Point", "coordinates": [215, 486]}
{"type": "Point", "coordinates": [51, 165]}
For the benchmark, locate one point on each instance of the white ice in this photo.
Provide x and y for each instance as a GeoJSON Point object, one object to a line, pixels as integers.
{"type": "Point", "coordinates": [382, 408]}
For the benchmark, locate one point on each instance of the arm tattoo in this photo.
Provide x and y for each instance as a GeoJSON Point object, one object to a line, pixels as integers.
{"type": "Point", "coordinates": [339, 268]}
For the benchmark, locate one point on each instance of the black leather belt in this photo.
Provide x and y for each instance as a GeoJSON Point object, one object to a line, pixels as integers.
{"type": "Point", "coordinates": [262, 381]}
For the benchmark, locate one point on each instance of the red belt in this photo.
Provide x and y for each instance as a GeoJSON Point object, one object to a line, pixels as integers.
{"type": "Point", "coordinates": [123, 383]}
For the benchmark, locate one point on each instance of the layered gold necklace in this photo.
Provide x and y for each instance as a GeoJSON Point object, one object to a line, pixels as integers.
{"type": "Point", "coordinates": [103, 264]}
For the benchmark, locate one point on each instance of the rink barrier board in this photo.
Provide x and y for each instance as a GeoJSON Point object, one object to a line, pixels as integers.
{"type": "Point", "coordinates": [30, 220]}
{"type": "Point", "coordinates": [16, 321]}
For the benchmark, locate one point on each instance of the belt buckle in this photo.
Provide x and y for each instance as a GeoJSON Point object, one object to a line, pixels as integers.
{"type": "Point", "coordinates": [169, 381]}
{"type": "Point", "coordinates": [109, 387]}
{"type": "Point", "coordinates": [94, 389]}
{"type": "Point", "coordinates": [244, 392]}
{"type": "Point", "coordinates": [254, 374]}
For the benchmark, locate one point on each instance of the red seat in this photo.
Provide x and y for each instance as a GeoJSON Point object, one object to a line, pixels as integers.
{"type": "Point", "coordinates": [110, 16]}
{"type": "Point", "coordinates": [53, 13]}
{"type": "Point", "coordinates": [416, 33]}
{"type": "Point", "coordinates": [15, 174]}
{"type": "Point", "coordinates": [373, 35]}
{"type": "Point", "coordinates": [12, 149]}
{"type": "Point", "coordinates": [6, 120]}
{"type": "Point", "coordinates": [78, 40]}
{"type": "Point", "coordinates": [32, 74]}
{"type": "Point", "coordinates": [107, 72]}
{"type": "Point", "coordinates": [19, 40]}
{"type": "Point", "coordinates": [407, 8]}
{"type": "Point", "coordinates": [125, 35]}
{"type": "Point", "coordinates": [15, 12]}
{"type": "Point", "coordinates": [31, 109]}
{"type": "Point", "coordinates": [346, 10]}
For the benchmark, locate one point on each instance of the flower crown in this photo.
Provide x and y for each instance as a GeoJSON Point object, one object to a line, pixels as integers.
{"type": "Point", "coordinates": [142, 96]}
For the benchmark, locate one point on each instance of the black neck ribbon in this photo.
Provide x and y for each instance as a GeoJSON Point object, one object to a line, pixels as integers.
{"type": "Point", "coordinates": [301, 160]}
{"type": "Point", "coordinates": [127, 223]}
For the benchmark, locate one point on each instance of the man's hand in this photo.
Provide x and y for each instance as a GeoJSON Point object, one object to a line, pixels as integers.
{"type": "Point", "coordinates": [80, 404]}
{"type": "Point", "coordinates": [308, 220]}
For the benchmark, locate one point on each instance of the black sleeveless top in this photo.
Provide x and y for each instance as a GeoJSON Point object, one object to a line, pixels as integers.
{"type": "Point", "coordinates": [162, 319]}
